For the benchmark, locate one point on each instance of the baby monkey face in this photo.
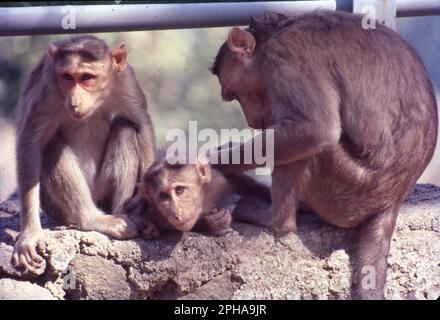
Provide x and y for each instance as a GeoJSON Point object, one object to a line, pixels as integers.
{"type": "Point", "coordinates": [177, 193]}
{"type": "Point", "coordinates": [179, 204]}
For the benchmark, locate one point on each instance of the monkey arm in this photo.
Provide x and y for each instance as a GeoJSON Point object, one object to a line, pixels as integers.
{"type": "Point", "coordinates": [307, 119]}
{"type": "Point", "coordinates": [137, 113]}
{"type": "Point", "coordinates": [145, 135]}
{"type": "Point", "coordinates": [147, 146]}
{"type": "Point", "coordinates": [292, 141]}
{"type": "Point", "coordinates": [146, 139]}
{"type": "Point", "coordinates": [306, 122]}
{"type": "Point", "coordinates": [29, 157]}
{"type": "Point", "coordinates": [32, 137]}
{"type": "Point", "coordinates": [34, 131]}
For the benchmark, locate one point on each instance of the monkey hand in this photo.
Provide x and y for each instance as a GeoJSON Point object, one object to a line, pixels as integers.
{"type": "Point", "coordinates": [219, 221]}
{"type": "Point", "coordinates": [131, 204]}
{"type": "Point", "coordinates": [151, 231]}
{"type": "Point", "coordinates": [25, 252]}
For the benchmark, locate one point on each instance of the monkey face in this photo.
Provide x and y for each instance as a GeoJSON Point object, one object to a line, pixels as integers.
{"type": "Point", "coordinates": [177, 191]}
{"type": "Point", "coordinates": [83, 85]}
{"type": "Point", "coordinates": [180, 206]}
{"type": "Point", "coordinates": [84, 79]}
{"type": "Point", "coordinates": [239, 77]}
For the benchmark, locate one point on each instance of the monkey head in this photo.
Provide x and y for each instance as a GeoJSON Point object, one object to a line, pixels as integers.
{"type": "Point", "coordinates": [240, 76]}
{"type": "Point", "coordinates": [177, 191]}
{"type": "Point", "coordinates": [85, 68]}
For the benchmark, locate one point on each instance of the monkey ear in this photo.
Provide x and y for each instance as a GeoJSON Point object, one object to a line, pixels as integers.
{"type": "Point", "coordinates": [52, 51]}
{"type": "Point", "coordinates": [204, 170]}
{"type": "Point", "coordinates": [119, 57]}
{"type": "Point", "coordinates": [241, 42]}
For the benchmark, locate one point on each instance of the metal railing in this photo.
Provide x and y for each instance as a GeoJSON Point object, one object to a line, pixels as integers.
{"type": "Point", "coordinates": [16, 21]}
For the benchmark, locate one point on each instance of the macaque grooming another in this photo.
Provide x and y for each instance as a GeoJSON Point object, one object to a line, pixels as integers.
{"type": "Point", "coordinates": [189, 197]}
{"type": "Point", "coordinates": [354, 118]}
{"type": "Point", "coordinates": [84, 138]}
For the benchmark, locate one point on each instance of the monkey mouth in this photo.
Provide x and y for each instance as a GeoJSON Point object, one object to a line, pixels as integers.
{"type": "Point", "coordinates": [186, 225]}
{"type": "Point", "coordinates": [78, 116]}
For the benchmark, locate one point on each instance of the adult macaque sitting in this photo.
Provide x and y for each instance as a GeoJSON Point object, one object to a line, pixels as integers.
{"type": "Point", "coordinates": [84, 137]}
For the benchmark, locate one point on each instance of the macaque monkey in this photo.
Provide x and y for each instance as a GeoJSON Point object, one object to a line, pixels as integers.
{"type": "Point", "coordinates": [187, 197]}
{"type": "Point", "coordinates": [354, 118]}
{"type": "Point", "coordinates": [84, 137]}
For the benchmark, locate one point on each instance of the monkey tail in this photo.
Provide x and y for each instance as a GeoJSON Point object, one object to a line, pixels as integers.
{"type": "Point", "coordinates": [246, 185]}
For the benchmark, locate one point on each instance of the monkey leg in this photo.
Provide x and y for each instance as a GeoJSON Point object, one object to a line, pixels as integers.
{"type": "Point", "coordinates": [287, 183]}
{"type": "Point", "coordinates": [370, 266]}
{"type": "Point", "coordinates": [66, 194]}
{"type": "Point", "coordinates": [120, 166]}
{"type": "Point", "coordinates": [280, 215]}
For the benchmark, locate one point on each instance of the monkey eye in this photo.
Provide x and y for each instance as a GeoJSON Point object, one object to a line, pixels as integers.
{"type": "Point", "coordinates": [164, 196]}
{"type": "Point", "coordinates": [67, 76]}
{"type": "Point", "coordinates": [179, 189]}
{"type": "Point", "coordinates": [86, 77]}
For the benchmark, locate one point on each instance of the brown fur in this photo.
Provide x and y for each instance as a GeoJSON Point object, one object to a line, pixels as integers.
{"type": "Point", "coordinates": [84, 136]}
{"type": "Point", "coordinates": [354, 115]}
{"type": "Point", "coordinates": [203, 203]}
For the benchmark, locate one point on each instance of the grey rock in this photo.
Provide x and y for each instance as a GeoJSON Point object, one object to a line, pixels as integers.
{"type": "Point", "coordinates": [247, 263]}
{"type": "Point", "coordinates": [22, 290]}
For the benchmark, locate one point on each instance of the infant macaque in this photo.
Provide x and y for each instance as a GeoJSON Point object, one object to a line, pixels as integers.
{"type": "Point", "coordinates": [187, 197]}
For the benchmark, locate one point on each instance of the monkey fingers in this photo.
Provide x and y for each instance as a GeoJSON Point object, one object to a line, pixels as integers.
{"type": "Point", "coordinates": [25, 265]}
{"type": "Point", "coordinates": [133, 203]}
{"type": "Point", "coordinates": [25, 252]}
{"type": "Point", "coordinates": [151, 231]}
{"type": "Point", "coordinates": [219, 221]}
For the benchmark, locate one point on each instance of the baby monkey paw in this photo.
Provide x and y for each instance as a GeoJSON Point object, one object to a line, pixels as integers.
{"type": "Point", "coordinates": [219, 221]}
{"type": "Point", "coordinates": [151, 231]}
{"type": "Point", "coordinates": [132, 203]}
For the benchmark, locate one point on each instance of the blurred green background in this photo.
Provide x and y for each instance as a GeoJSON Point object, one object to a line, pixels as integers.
{"type": "Point", "coordinates": [172, 67]}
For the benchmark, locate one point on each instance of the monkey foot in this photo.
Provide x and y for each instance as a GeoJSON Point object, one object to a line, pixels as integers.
{"type": "Point", "coordinates": [118, 227]}
{"type": "Point", "coordinates": [280, 228]}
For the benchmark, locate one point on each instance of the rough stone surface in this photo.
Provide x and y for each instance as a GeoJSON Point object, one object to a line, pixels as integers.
{"type": "Point", "coordinates": [14, 290]}
{"type": "Point", "coordinates": [247, 263]}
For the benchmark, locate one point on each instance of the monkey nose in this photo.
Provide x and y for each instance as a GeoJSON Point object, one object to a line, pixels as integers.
{"type": "Point", "coordinates": [178, 216]}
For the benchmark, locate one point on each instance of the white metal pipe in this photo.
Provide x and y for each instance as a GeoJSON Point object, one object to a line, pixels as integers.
{"type": "Point", "coordinates": [113, 18]}
{"type": "Point", "coordinates": [410, 8]}
{"type": "Point", "coordinates": [16, 21]}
